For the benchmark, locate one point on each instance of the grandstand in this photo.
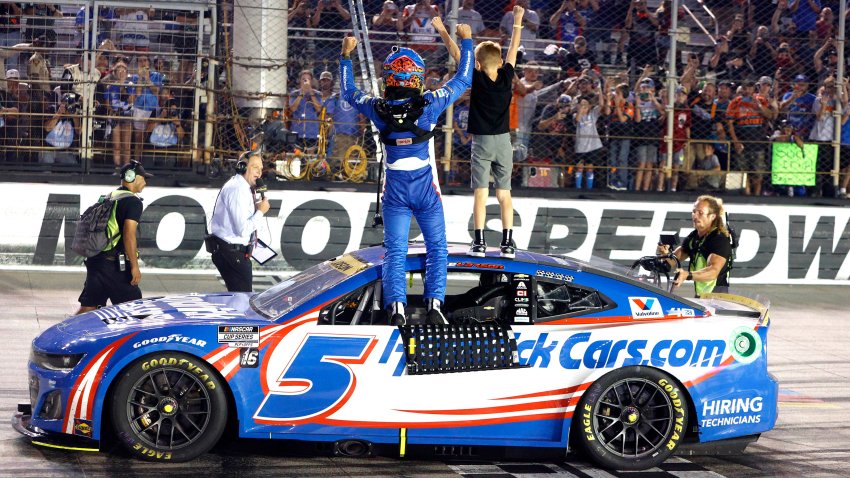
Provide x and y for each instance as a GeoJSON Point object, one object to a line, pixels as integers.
{"type": "Point", "coordinates": [190, 57]}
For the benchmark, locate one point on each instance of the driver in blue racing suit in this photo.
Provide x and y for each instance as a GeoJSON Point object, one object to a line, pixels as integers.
{"type": "Point", "coordinates": [406, 119]}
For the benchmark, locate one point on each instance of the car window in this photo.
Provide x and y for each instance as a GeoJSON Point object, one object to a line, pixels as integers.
{"type": "Point", "coordinates": [289, 294]}
{"type": "Point", "coordinates": [556, 299]}
{"type": "Point", "coordinates": [470, 297]}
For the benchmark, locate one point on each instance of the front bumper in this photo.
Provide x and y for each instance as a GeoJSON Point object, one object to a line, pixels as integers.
{"type": "Point", "coordinates": [22, 423]}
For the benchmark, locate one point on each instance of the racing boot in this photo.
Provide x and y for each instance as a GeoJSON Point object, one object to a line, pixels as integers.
{"type": "Point", "coordinates": [396, 314]}
{"type": "Point", "coordinates": [434, 316]}
{"type": "Point", "coordinates": [478, 247]}
{"type": "Point", "coordinates": [508, 247]}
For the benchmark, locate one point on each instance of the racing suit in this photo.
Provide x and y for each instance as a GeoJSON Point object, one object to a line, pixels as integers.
{"type": "Point", "coordinates": [411, 185]}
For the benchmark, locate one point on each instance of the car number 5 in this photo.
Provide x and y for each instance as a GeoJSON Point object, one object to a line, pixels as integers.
{"type": "Point", "coordinates": [317, 381]}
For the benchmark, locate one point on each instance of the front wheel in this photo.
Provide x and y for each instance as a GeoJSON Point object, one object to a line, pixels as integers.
{"type": "Point", "coordinates": [633, 418]}
{"type": "Point", "coordinates": [169, 407]}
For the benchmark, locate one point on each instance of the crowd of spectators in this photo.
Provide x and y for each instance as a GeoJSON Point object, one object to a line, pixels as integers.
{"type": "Point", "coordinates": [591, 94]}
{"type": "Point", "coordinates": [140, 85]}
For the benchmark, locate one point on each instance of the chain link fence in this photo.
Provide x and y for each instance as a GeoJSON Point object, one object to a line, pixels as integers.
{"type": "Point", "coordinates": [753, 101]}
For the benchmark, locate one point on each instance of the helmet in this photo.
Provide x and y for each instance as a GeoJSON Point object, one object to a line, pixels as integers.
{"type": "Point", "coordinates": [404, 68]}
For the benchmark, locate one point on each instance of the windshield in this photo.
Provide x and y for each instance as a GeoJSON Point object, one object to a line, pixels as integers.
{"type": "Point", "coordinates": [281, 298]}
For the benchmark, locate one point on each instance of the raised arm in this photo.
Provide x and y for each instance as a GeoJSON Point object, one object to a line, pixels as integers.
{"type": "Point", "coordinates": [347, 89]}
{"type": "Point", "coordinates": [454, 51]}
{"type": "Point", "coordinates": [462, 78]}
{"type": "Point", "coordinates": [516, 35]}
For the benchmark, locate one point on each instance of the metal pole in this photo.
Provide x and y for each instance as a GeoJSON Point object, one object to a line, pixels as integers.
{"type": "Point", "coordinates": [671, 92]}
{"type": "Point", "coordinates": [839, 85]}
{"type": "Point", "coordinates": [87, 65]}
{"type": "Point", "coordinates": [448, 128]}
{"type": "Point", "coordinates": [367, 65]}
{"type": "Point", "coordinates": [211, 78]}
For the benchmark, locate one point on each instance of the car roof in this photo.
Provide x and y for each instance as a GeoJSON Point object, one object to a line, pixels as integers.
{"type": "Point", "coordinates": [375, 255]}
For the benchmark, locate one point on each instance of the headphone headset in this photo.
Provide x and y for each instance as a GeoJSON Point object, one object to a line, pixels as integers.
{"type": "Point", "coordinates": [242, 164]}
{"type": "Point", "coordinates": [130, 174]}
{"type": "Point", "coordinates": [241, 167]}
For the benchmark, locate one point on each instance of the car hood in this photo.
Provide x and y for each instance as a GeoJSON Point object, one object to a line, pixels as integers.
{"type": "Point", "coordinates": [146, 314]}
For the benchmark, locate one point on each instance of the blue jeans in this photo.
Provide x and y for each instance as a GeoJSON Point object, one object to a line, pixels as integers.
{"type": "Point", "coordinates": [618, 157]}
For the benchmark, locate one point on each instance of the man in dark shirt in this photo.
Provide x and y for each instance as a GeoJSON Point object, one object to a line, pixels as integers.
{"type": "Point", "coordinates": [489, 124]}
{"type": "Point", "coordinates": [580, 59]}
{"type": "Point", "coordinates": [114, 273]}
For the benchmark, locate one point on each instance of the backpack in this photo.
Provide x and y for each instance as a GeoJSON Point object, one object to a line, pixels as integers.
{"type": "Point", "coordinates": [90, 237]}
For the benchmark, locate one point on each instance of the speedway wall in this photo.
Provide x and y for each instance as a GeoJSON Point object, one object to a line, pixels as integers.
{"type": "Point", "coordinates": [780, 244]}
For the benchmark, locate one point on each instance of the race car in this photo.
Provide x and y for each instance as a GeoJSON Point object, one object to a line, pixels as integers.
{"type": "Point", "coordinates": [541, 351]}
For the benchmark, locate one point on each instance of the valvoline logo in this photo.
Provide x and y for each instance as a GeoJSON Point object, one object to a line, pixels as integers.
{"type": "Point", "coordinates": [646, 307]}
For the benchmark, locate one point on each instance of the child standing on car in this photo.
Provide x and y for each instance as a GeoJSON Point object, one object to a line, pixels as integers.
{"type": "Point", "coordinates": [489, 124]}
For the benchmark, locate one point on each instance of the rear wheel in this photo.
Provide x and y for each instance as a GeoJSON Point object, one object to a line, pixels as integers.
{"type": "Point", "coordinates": [169, 407]}
{"type": "Point", "coordinates": [631, 419]}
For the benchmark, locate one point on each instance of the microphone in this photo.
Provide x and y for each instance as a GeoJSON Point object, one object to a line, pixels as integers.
{"type": "Point", "coordinates": [260, 187]}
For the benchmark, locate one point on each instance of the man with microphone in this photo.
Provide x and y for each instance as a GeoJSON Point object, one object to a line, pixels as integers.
{"type": "Point", "coordinates": [235, 218]}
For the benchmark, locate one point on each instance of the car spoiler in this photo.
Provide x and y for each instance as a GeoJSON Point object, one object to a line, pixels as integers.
{"type": "Point", "coordinates": [724, 303]}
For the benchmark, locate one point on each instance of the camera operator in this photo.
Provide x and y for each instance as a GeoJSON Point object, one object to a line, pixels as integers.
{"type": "Point", "coordinates": [708, 248]}
{"type": "Point", "coordinates": [233, 226]}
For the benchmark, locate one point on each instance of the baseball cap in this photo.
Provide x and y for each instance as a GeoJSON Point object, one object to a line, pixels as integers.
{"type": "Point", "coordinates": [565, 98]}
{"type": "Point", "coordinates": [13, 74]}
{"type": "Point", "coordinates": [766, 80]}
{"type": "Point", "coordinates": [326, 75]}
{"type": "Point", "coordinates": [747, 82]}
{"type": "Point", "coordinates": [681, 89]}
{"type": "Point", "coordinates": [137, 168]}
{"type": "Point", "coordinates": [648, 82]}
{"type": "Point", "coordinates": [832, 52]}
{"type": "Point", "coordinates": [801, 78]}
{"type": "Point", "coordinates": [727, 83]}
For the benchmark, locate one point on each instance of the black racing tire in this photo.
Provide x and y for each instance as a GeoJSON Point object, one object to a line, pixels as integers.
{"type": "Point", "coordinates": [632, 418]}
{"type": "Point", "coordinates": [169, 407]}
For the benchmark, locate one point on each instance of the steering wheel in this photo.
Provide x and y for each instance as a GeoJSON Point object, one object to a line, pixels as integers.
{"type": "Point", "coordinates": [657, 265]}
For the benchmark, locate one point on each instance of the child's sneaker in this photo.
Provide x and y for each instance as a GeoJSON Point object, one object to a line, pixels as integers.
{"type": "Point", "coordinates": [508, 250]}
{"type": "Point", "coordinates": [478, 249]}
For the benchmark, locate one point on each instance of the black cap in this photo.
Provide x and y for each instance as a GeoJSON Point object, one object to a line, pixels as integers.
{"type": "Point", "coordinates": [136, 167]}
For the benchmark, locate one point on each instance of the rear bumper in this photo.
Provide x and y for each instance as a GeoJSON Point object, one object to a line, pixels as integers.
{"type": "Point", "coordinates": [22, 423]}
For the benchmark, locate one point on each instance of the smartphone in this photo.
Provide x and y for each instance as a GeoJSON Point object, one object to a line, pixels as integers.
{"type": "Point", "coordinates": [644, 96]}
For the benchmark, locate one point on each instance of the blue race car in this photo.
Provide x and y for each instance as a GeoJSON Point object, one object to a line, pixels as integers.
{"type": "Point", "coordinates": [541, 351]}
